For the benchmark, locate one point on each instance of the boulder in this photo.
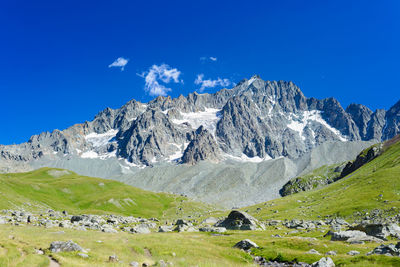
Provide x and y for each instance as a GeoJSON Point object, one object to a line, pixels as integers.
{"type": "Point", "coordinates": [213, 229]}
{"type": "Point", "coordinates": [245, 244]}
{"type": "Point", "coordinates": [352, 236]}
{"type": "Point", "coordinates": [353, 253]}
{"type": "Point", "coordinates": [379, 230]}
{"type": "Point", "coordinates": [324, 262]}
{"type": "Point", "coordinates": [389, 250]}
{"type": "Point", "coordinates": [140, 229]}
{"type": "Point", "coordinates": [164, 228]}
{"type": "Point", "coordinates": [239, 220]}
{"type": "Point", "coordinates": [62, 246]}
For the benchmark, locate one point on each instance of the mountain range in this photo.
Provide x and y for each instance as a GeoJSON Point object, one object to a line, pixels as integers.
{"type": "Point", "coordinates": [235, 147]}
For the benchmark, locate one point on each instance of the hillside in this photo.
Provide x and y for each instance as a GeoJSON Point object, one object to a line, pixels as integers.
{"type": "Point", "coordinates": [374, 186]}
{"type": "Point", "coordinates": [59, 189]}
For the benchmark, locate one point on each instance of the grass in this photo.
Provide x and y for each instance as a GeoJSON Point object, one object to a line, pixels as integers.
{"type": "Point", "coordinates": [375, 185]}
{"type": "Point", "coordinates": [18, 246]}
{"type": "Point", "coordinates": [64, 190]}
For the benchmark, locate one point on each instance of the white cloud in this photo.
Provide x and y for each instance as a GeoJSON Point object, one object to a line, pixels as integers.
{"type": "Point", "coordinates": [210, 83]}
{"type": "Point", "coordinates": [120, 63]}
{"type": "Point", "coordinates": [204, 59]}
{"type": "Point", "coordinates": [156, 74]}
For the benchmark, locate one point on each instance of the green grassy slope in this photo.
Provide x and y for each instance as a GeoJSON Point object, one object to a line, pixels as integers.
{"type": "Point", "coordinates": [375, 185]}
{"type": "Point", "coordinates": [65, 190]}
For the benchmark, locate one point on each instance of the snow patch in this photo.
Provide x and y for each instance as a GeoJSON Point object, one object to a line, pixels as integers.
{"type": "Point", "coordinates": [245, 158]}
{"type": "Point", "coordinates": [299, 121]}
{"type": "Point", "coordinates": [89, 155]}
{"type": "Point", "coordinates": [98, 140]}
{"type": "Point", "coordinates": [207, 118]}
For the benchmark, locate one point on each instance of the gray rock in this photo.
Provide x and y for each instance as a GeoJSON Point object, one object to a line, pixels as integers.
{"type": "Point", "coordinates": [239, 220]}
{"type": "Point", "coordinates": [62, 246]}
{"type": "Point", "coordinates": [324, 262]}
{"type": "Point", "coordinates": [390, 249]}
{"type": "Point", "coordinates": [379, 230]}
{"type": "Point", "coordinates": [353, 253]}
{"type": "Point", "coordinates": [141, 229]}
{"type": "Point", "coordinates": [134, 264]}
{"type": "Point", "coordinates": [213, 229]}
{"type": "Point", "coordinates": [313, 251]}
{"type": "Point", "coordinates": [201, 147]}
{"type": "Point", "coordinates": [245, 244]}
{"type": "Point", "coordinates": [165, 228]}
{"type": "Point", "coordinates": [352, 236]}
{"type": "Point", "coordinates": [113, 258]}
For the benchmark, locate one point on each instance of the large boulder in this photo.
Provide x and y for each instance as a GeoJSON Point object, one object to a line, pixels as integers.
{"type": "Point", "coordinates": [239, 220]}
{"type": "Point", "coordinates": [62, 246]}
{"type": "Point", "coordinates": [379, 230]}
{"type": "Point", "coordinates": [245, 244]}
{"type": "Point", "coordinates": [352, 236]}
{"type": "Point", "coordinates": [389, 250]}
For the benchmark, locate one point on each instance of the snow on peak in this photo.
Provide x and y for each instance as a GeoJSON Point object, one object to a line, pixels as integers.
{"type": "Point", "coordinates": [299, 121]}
{"type": "Point", "coordinates": [98, 140]}
{"type": "Point", "coordinates": [207, 118]}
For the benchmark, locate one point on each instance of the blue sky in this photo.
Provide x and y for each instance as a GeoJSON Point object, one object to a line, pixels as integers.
{"type": "Point", "coordinates": [55, 56]}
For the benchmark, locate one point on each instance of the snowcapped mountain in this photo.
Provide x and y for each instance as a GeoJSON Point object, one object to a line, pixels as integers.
{"type": "Point", "coordinates": [257, 122]}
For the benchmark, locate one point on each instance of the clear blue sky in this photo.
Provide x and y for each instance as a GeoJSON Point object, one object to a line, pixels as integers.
{"type": "Point", "coordinates": [55, 55]}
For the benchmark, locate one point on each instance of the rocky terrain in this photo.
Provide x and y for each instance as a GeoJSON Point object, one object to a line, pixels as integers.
{"type": "Point", "coordinates": [267, 128]}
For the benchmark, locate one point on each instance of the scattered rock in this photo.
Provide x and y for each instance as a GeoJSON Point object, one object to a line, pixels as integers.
{"type": "Point", "coordinates": [213, 229]}
{"type": "Point", "coordinates": [83, 255]}
{"type": "Point", "coordinates": [352, 236]}
{"type": "Point", "coordinates": [134, 264]}
{"type": "Point", "coordinates": [331, 253]}
{"type": "Point", "coordinates": [379, 230]}
{"type": "Point", "coordinates": [165, 228]}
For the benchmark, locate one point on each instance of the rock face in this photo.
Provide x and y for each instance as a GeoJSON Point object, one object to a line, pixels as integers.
{"type": "Point", "coordinates": [201, 147]}
{"type": "Point", "coordinates": [362, 159]}
{"type": "Point", "coordinates": [239, 220]}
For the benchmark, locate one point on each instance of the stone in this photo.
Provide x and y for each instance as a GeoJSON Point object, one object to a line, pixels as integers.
{"type": "Point", "coordinates": [245, 244]}
{"type": "Point", "coordinates": [313, 251]}
{"type": "Point", "coordinates": [239, 220]}
{"type": "Point", "coordinates": [113, 258]}
{"type": "Point", "coordinates": [324, 262]}
{"type": "Point", "coordinates": [379, 230]}
{"type": "Point", "coordinates": [351, 236]}
{"type": "Point", "coordinates": [62, 246]}
{"type": "Point", "coordinates": [390, 249]}
{"type": "Point", "coordinates": [353, 253]}
{"type": "Point", "coordinates": [141, 229]}
{"type": "Point", "coordinates": [331, 253]}
{"type": "Point", "coordinates": [213, 229]}
{"type": "Point", "coordinates": [134, 264]}
{"type": "Point", "coordinates": [83, 255]}
{"type": "Point", "coordinates": [165, 228]}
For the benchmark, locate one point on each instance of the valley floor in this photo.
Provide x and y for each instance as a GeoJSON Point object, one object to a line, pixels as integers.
{"type": "Point", "coordinates": [19, 246]}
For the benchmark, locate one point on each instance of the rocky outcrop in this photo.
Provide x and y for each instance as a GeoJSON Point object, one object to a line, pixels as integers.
{"type": "Point", "coordinates": [388, 250]}
{"type": "Point", "coordinates": [245, 244]}
{"type": "Point", "coordinates": [62, 246]}
{"type": "Point", "coordinates": [363, 158]}
{"type": "Point", "coordinates": [361, 115]}
{"type": "Point", "coordinates": [201, 147]}
{"type": "Point", "coordinates": [392, 126]}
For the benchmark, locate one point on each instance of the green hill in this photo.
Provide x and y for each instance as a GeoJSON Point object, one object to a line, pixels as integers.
{"type": "Point", "coordinates": [64, 190]}
{"type": "Point", "coordinates": [374, 186]}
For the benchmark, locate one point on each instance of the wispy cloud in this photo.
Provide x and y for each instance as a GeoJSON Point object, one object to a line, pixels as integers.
{"type": "Point", "coordinates": [204, 59]}
{"type": "Point", "coordinates": [210, 83]}
{"type": "Point", "coordinates": [119, 63]}
{"type": "Point", "coordinates": [156, 74]}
